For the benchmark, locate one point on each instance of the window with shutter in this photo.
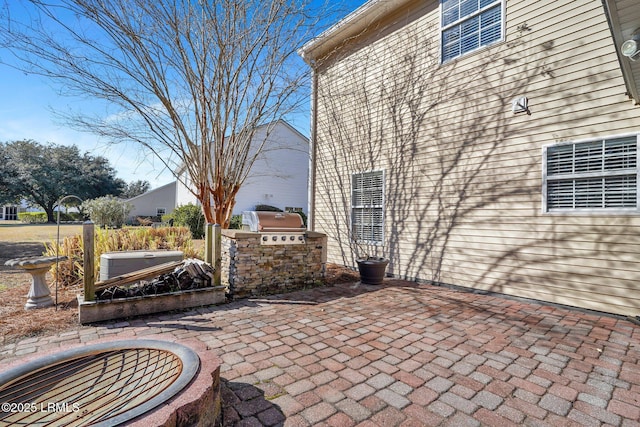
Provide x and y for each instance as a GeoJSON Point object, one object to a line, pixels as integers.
{"type": "Point", "coordinates": [593, 175]}
{"type": "Point", "coordinates": [467, 25]}
{"type": "Point", "coordinates": [367, 207]}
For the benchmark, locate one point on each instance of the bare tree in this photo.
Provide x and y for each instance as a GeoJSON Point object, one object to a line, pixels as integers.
{"type": "Point", "coordinates": [188, 80]}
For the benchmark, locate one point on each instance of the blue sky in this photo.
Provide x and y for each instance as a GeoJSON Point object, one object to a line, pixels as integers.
{"type": "Point", "coordinates": [27, 107]}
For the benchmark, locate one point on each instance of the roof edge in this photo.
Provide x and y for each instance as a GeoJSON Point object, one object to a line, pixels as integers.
{"type": "Point", "coordinates": [153, 190]}
{"type": "Point", "coordinates": [349, 26]}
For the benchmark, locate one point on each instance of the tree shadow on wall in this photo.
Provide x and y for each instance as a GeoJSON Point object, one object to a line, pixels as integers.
{"type": "Point", "coordinates": [462, 171]}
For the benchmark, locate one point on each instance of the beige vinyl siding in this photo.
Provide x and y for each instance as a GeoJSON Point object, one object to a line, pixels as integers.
{"type": "Point", "coordinates": [463, 173]}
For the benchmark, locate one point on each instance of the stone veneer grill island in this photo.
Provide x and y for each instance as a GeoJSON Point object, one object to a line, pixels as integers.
{"type": "Point", "coordinates": [250, 268]}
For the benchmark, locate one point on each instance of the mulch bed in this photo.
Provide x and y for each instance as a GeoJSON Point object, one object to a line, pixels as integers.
{"type": "Point", "coordinates": [17, 323]}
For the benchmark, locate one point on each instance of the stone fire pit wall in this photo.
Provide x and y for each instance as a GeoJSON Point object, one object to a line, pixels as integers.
{"type": "Point", "coordinates": [250, 269]}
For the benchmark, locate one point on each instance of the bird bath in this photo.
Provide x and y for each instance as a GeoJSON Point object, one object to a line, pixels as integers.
{"type": "Point", "coordinates": [39, 295]}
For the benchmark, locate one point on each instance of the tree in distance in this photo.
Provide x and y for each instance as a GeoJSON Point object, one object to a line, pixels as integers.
{"type": "Point", "coordinates": [135, 188]}
{"type": "Point", "coordinates": [43, 174]}
{"type": "Point", "coordinates": [190, 81]}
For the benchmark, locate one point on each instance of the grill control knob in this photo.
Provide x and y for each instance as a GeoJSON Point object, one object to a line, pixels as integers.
{"type": "Point", "coordinates": [292, 237]}
{"type": "Point", "coordinates": [274, 238]}
{"type": "Point", "coordinates": [300, 238]}
{"type": "Point", "coordinates": [283, 238]}
{"type": "Point", "coordinates": [265, 238]}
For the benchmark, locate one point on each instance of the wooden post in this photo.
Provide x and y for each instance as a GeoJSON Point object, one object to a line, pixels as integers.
{"type": "Point", "coordinates": [217, 255]}
{"type": "Point", "coordinates": [208, 244]}
{"type": "Point", "coordinates": [89, 250]}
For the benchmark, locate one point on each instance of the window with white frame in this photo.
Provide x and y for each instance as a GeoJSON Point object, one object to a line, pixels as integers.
{"type": "Point", "coordinates": [467, 25]}
{"type": "Point", "coordinates": [367, 207]}
{"type": "Point", "coordinates": [594, 175]}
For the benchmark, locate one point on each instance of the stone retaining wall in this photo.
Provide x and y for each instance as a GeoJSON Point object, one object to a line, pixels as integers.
{"type": "Point", "coordinates": [251, 269]}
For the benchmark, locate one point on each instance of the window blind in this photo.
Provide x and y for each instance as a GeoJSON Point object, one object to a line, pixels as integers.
{"type": "Point", "coordinates": [468, 25]}
{"type": "Point", "coordinates": [597, 174]}
{"type": "Point", "coordinates": [367, 210]}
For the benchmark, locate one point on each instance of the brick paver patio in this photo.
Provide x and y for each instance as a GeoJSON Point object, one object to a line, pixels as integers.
{"type": "Point", "coordinates": [402, 354]}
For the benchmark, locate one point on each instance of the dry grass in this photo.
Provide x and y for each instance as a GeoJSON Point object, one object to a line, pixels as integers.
{"type": "Point", "coordinates": [11, 231]}
{"type": "Point", "coordinates": [16, 323]}
{"type": "Point", "coordinates": [338, 274]}
{"type": "Point", "coordinates": [70, 272]}
{"type": "Point", "coordinates": [19, 240]}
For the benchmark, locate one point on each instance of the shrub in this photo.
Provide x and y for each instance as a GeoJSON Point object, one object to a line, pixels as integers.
{"type": "Point", "coordinates": [33, 217]}
{"type": "Point", "coordinates": [107, 211]}
{"type": "Point", "coordinates": [304, 217]}
{"type": "Point", "coordinates": [71, 272]}
{"type": "Point", "coordinates": [267, 208]}
{"type": "Point", "coordinates": [188, 216]}
{"type": "Point", "coordinates": [236, 222]}
{"type": "Point", "coordinates": [71, 216]}
{"type": "Point", "coordinates": [41, 217]}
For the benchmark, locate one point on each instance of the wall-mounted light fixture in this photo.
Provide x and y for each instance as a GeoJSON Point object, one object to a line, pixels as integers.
{"type": "Point", "coordinates": [631, 47]}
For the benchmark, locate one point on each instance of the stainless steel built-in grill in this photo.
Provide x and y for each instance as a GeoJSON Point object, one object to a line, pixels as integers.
{"type": "Point", "coordinates": [277, 228]}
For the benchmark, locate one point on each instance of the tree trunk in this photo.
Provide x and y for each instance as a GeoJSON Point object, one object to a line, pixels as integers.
{"type": "Point", "coordinates": [233, 63]}
{"type": "Point", "coordinates": [49, 211]}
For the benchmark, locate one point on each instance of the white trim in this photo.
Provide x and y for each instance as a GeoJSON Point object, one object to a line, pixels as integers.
{"type": "Point", "coordinates": [441, 28]}
{"type": "Point", "coordinates": [381, 207]}
{"type": "Point", "coordinates": [591, 211]}
{"type": "Point", "coordinates": [349, 26]}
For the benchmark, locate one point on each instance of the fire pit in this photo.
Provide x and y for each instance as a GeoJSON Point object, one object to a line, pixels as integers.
{"type": "Point", "coordinates": [103, 384]}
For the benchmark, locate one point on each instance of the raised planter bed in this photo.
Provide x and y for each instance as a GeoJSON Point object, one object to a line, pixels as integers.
{"type": "Point", "coordinates": [97, 311]}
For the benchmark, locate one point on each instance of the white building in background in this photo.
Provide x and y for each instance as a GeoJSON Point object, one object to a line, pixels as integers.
{"type": "Point", "coordinates": [279, 178]}
{"type": "Point", "coordinates": [156, 202]}
{"type": "Point", "coordinates": [9, 212]}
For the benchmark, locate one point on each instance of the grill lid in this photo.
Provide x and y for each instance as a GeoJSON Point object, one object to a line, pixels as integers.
{"type": "Point", "coordinates": [265, 221]}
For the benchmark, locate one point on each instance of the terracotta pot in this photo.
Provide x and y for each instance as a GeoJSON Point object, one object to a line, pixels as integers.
{"type": "Point", "coordinates": [372, 270]}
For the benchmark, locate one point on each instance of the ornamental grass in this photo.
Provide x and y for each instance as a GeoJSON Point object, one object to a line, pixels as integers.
{"type": "Point", "coordinates": [70, 272]}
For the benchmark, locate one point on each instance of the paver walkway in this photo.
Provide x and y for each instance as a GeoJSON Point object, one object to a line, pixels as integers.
{"type": "Point", "coordinates": [403, 354]}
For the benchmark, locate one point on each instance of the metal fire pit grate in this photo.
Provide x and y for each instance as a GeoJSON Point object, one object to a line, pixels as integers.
{"type": "Point", "coordinates": [104, 384]}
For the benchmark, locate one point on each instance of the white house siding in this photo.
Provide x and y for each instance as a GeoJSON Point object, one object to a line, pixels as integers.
{"type": "Point", "coordinates": [463, 173]}
{"type": "Point", "coordinates": [147, 204]}
{"type": "Point", "coordinates": [183, 195]}
{"type": "Point", "coordinates": [278, 178]}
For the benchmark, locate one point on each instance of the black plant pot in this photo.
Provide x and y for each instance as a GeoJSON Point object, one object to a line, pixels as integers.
{"type": "Point", "coordinates": [372, 270]}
